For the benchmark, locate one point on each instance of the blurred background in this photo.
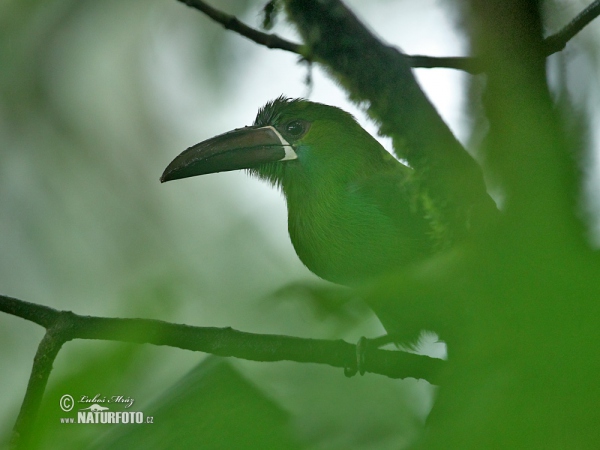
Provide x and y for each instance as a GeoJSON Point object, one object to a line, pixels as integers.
{"type": "Point", "coordinates": [96, 98]}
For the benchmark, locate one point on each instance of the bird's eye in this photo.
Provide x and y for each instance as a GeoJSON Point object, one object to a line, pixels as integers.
{"type": "Point", "coordinates": [296, 128]}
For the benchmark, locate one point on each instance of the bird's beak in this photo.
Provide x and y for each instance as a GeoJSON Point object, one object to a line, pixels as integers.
{"type": "Point", "coordinates": [238, 149]}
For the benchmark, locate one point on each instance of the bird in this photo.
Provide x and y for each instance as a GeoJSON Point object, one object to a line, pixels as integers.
{"type": "Point", "coordinates": [353, 212]}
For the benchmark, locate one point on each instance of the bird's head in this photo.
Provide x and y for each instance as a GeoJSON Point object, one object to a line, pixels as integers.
{"type": "Point", "coordinates": [290, 140]}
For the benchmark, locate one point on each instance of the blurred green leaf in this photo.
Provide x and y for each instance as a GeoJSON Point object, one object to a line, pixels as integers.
{"type": "Point", "coordinates": [212, 407]}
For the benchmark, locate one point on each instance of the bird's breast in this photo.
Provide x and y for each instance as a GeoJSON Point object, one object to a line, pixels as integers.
{"type": "Point", "coordinates": [345, 242]}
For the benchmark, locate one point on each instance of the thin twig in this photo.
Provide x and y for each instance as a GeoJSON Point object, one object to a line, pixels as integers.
{"type": "Point", "coordinates": [40, 314]}
{"type": "Point", "coordinates": [558, 41]}
{"type": "Point", "coordinates": [469, 64]}
{"type": "Point", "coordinates": [232, 23]}
{"type": "Point", "coordinates": [472, 65]}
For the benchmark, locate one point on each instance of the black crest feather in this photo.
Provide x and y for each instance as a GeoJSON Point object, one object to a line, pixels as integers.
{"type": "Point", "coordinates": [270, 114]}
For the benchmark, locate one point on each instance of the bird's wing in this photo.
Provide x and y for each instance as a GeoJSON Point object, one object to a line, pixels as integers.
{"type": "Point", "coordinates": [395, 196]}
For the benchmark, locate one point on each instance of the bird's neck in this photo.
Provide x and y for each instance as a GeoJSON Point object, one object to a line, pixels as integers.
{"type": "Point", "coordinates": [319, 197]}
{"type": "Point", "coordinates": [326, 230]}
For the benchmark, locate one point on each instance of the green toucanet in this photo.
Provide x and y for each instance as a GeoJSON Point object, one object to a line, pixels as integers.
{"type": "Point", "coordinates": [352, 209]}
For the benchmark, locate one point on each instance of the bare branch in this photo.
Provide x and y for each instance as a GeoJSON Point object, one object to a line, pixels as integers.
{"type": "Point", "coordinates": [44, 358]}
{"type": "Point", "coordinates": [219, 341]}
{"type": "Point", "coordinates": [552, 44]}
{"type": "Point", "coordinates": [40, 314]}
{"type": "Point", "coordinates": [469, 64]}
{"type": "Point", "coordinates": [232, 23]}
{"type": "Point", "coordinates": [558, 41]}
{"type": "Point", "coordinates": [63, 326]}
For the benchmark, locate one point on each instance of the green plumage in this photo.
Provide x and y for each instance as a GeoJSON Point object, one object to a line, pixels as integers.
{"type": "Point", "coordinates": [351, 212]}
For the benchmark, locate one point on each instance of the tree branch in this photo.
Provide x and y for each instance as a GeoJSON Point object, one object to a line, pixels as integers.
{"type": "Point", "coordinates": [40, 314]}
{"type": "Point", "coordinates": [63, 326]}
{"type": "Point", "coordinates": [469, 64]}
{"type": "Point", "coordinates": [558, 41]}
{"type": "Point", "coordinates": [218, 341]}
{"type": "Point", "coordinates": [472, 65]}
{"type": "Point", "coordinates": [44, 358]}
{"type": "Point", "coordinates": [232, 23]}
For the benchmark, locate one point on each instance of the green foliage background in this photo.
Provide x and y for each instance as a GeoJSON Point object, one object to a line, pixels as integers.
{"type": "Point", "coordinates": [95, 99]}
